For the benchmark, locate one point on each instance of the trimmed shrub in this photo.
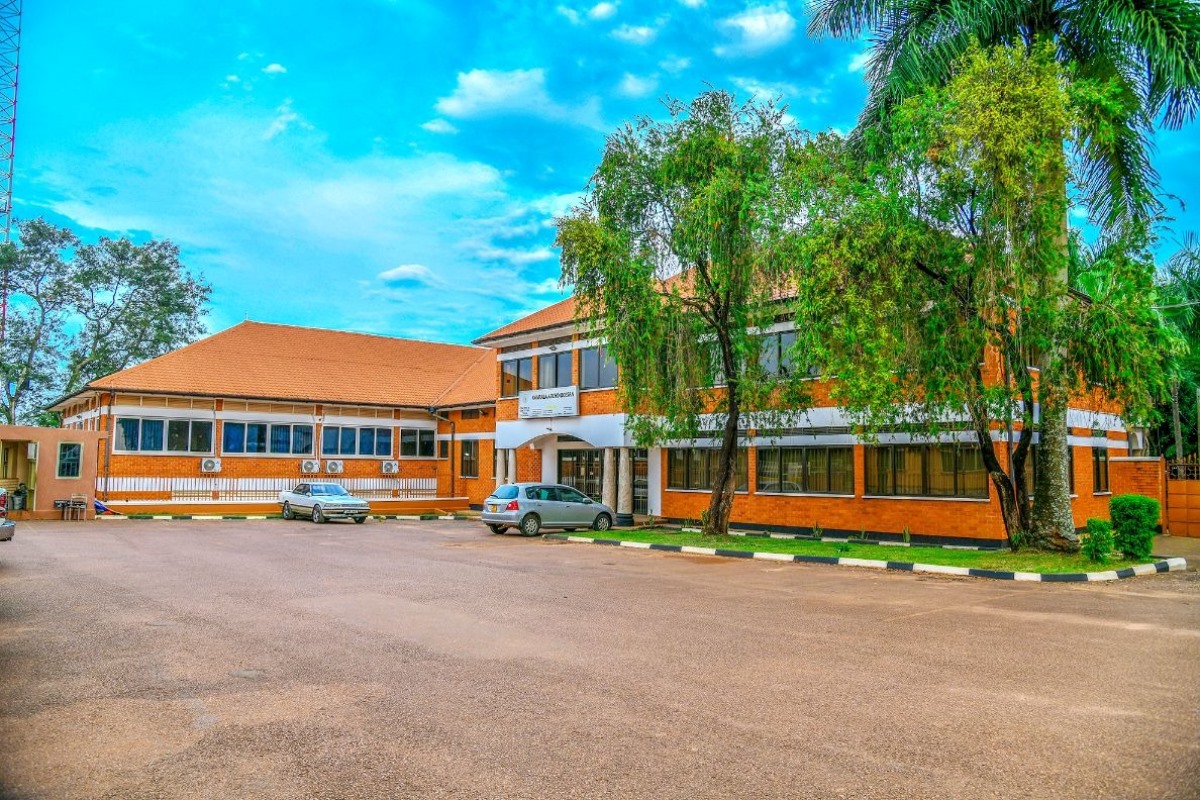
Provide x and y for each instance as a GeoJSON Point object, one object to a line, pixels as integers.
{"type": "Point", "coordinates": [1135, 520]}
{"type": "Point", "coordinates": [1098, 543]}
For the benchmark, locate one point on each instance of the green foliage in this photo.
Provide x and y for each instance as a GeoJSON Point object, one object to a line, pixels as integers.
{"type": "Point", "coordinates": [78, 311]}
{"type": "Point", "coordinates": [675, 244]}
{"type": "Point", "coordinates": [1135, 519]}
{"type": "Point", "coordinates": [1098, 543]}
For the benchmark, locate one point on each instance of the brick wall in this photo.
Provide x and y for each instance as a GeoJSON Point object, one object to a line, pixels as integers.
{"type": "Point", "coordinates": [1146, 476]}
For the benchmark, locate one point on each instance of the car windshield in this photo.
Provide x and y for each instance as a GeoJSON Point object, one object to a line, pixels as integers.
{"type": "Point", "coordinates": [507, 492]}
{"type": "Point", "coordinates": [328, 488]}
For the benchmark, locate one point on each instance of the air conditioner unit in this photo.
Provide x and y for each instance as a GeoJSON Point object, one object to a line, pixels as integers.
{"type": "Point", "coordinates": [334, 467]}
{"type": "Point", "coordinates": [31, 451]}
{"type": "Point", "coordinates": [310, 466]}
{"type": "Point", "coordinates": [210, 465]}
{"type": "Point", "coordinates": [391, 467]}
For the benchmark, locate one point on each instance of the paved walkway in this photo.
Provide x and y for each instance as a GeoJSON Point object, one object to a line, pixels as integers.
{"type": "Point", "coordinates": [1188, 547]}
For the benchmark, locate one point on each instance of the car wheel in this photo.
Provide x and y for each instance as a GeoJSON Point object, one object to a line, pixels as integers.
{"type": "Point", "coordinates": [318, 516]}
{"type": "Point", "coordinates": [287, 510]}
{"type": "Point", "coordinates": [497, 528]}
{"type": "Point", "coordinates": [359, 520]}
{"type": "Point", "coordinates": [602, 523]}
{"type": "Point", "coordinates": [531, 525]}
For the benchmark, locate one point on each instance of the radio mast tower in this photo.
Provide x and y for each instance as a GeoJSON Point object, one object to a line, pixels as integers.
{"type": "Point", "coordinates": [10, 51]}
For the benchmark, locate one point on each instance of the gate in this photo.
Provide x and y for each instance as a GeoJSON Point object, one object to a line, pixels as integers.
{"type": "Point", "coordinates": [1183, 497]}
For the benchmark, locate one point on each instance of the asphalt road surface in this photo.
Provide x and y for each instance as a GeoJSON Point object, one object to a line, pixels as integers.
{"type": "Point", "coordinates": [222, 659]}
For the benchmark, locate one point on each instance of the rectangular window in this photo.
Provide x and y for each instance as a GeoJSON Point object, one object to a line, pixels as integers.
{"type": "Point", "coordinates": [233, 437]}
{"type": "Point", "coordinates": [1099, 469]}
{"type": "Point", "coordinates": [383, 442]}
{"type": "Point", "coordinates": [408, 442]}
{"type": "Point", "coordinates": [470, 460]}
{"type": "Point", "coordinates": [152, 435]}
{"type": "Point", "coordinates": [696, 468]}
{"type": "Point", "coordinates": [824, 470]}
{"type": "Point", "coordinates": [158, 436]}
{"type": "Point", "coordinates": [444, 448]}
{"type": "Point", "coordinates": [70, 459]}
{"type": "Point", "coordinates": [366, 441]}
{"type": "Point", "coordinates": [256, 437]}
{"type": "Point", "coordinates": [128, 434]}
{"type": "Point", "coordinates": [554, 370]}
{"type": "Point", "coordinates": [472, 413]}
{"type": "Point", "coordinates": [516, 376]}
{"type": "Point", "coordinates": [926, 470]}
{"type": "Point", "coordinates": [425, 444]}
{"type": "Point", "coordinates": [340, 441]}
{"type": "Point", "coordinates": [177, 435]}
{"type": "Point", "coordinates": [302, 440]}
{"type": "Point", "coordinates": [329, 441]}
{"type": "Point", "coordinates": [281, 438]}
{"type": "Point", "coordinates": [596, 369]}
{"type": "Point", "coordinates": [774, 356]}
{"type": "Point", "coordinates": [200, 438]}
{"type": "Point", "coordinates": [417, 443]}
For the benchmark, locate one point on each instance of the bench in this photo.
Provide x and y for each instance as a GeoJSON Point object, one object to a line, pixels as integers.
{"type": "Point", "coordinates": [73, 508]}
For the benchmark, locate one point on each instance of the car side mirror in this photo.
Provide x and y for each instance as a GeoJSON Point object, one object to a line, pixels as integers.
{"type": "Point", "coordinates": [587, 501]}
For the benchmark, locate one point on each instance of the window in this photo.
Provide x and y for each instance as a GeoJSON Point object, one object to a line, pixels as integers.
{"type": "Point", "coordinates": [826, 470]}
{"type": "Point", "coordinates": [70, 459]}
{"type": "Point", "coordinates": [416, 443]}
{"type": "Point", "coordinates": [292, 439]}
{"type": "Point", "coordinates": [516, 376]}
{"type": "Point", "coordinates": [443, 448]}
{"type": "Point", "coordinates": [245, 437]}
{"type": "Point", "coordinates": [696, 468]}
{"type": "Point", "coordinates": [773, 355]}
{"type": "Point", "coordinates": [926, 470]}
{"type": "Point", "coordinates": [1099, 469]}
{"type": "Point", "coordinates": [469, 467]}
{"type": "Point", "coordinates": [341, 441]}
{"type": "Point", "coordinates": [1032, 470]}
{"type": "Point", "coordinates": [134, 435]}
{"type": "Point", "coordinates": [554, 370]}
{"type": "Point", "coordinates": [596, 369]}
{"type": "Point", "coordinates": [472, 413]}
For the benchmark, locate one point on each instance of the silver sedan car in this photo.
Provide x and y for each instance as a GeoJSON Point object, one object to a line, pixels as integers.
{"type": "Point", "coordinates": [529, 507]}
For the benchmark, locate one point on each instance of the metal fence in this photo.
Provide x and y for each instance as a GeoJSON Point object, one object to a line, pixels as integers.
{"type": "Point", "coordinates": [212, 487]}
{"type": "Point", "coordinates": [1186, 470]}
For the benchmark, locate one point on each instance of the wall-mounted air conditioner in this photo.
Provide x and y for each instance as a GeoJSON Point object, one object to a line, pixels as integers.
{"type": "Point", "coordinates": [210, 465]}
{"type": "Point", "coordinates": [334, 467]}
{"type": "Point", "coordinates": [31, 451]}
{"type": "Point", "coordinates": [310, 466]}
{"type": "Point", "coordinates": [391, 467]}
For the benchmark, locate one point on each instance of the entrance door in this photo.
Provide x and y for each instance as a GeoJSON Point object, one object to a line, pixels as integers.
{"type": "Point", "coordinates": [583, 470]}
{"type": "Point", "coordinates": [641, 481]}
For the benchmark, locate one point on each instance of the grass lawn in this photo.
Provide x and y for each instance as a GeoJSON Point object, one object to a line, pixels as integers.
{"type": "Point", "coordinates": [1004, 560]}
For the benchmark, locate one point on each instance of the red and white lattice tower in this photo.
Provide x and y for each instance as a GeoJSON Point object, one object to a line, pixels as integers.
{"type": "Point", "coordinates": [10, 51]}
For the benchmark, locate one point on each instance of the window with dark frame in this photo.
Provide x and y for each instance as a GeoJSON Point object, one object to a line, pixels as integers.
{"type": "Point", "coordinates": [469, 463]}
{"type": "Point", "coordinates": [696, 467]}
{"type": "Point", "coordinates": [596, 369]}
{"type": "Point", "coordinates": [443, 448]}
{"type": "Point", "coordinates": [554, 370]}
{"type": "Point", "coordinates": [1100, 470]}
{"type": "Point", "coordinates": [516, 376]}
{"type": "Point", "coordinates": [471, 413]}
{"type": "Point", "coordinates": [337, 440]}
{"type": "Point", "coordinates": [70, 459]}
{"type": "Point", "coordinates": [417, 443]}
{"type": "Point", "coordinates": [926, 470]}
{"type": "Point", "coordinates": [805, 470]}
{"type": "Point", "coordinates": [135, 435]}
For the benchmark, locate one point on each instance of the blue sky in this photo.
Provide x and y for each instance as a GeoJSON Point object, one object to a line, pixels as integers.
{"type": "Point", "coordinates": [389, 167]}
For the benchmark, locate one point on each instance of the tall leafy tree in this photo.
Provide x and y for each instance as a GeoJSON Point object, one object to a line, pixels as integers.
{"type": "Point", "coordinates": [78, 311]}
{"type": "Point", "coordinates": [1146, 54]}
{"type": "Point", "coordinates": [1179, 290]}
{"type": "Point", "coordinates": [673, 260]}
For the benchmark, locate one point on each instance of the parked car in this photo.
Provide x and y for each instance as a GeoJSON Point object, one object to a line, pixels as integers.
{"type": "Point", "coordinates": [529, 507]}
{"type": "Point", "coordinates": [323, 501]}
{"type": "Point", "coordinates": [8, 528]}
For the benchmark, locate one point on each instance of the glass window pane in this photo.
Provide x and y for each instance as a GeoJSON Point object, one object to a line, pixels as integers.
{"type": "Point", "coordinates": [177, 435]}
{"type": "Point", "coordinates": [676, 468]}
{"type": "Point", "coordinates": [941, 470]}
{"type": "Point", "coordinates": [233, 437]}
{"type": "Point", "coordinates": [768, 469]}
{"type": "Point", "coordinates": [256, 437]}
{"type": "Point", "coordinates": [547, 369]}
{"type": "Point", "coordinates": [330, 436]}
{"type": "Point", "coordinates": [127, 434]}
{"type": "Point", "coordinates": [879, 470]}
{"type": "Point", "coordinates": [563, 370]}
{"type": "Point", "coordinates": [524, 374]}
{"type": "Point", "coordinates": [469, 467]}
{"type": "Point", "coordinates": [69, 459]}
{"type": "Point", "coordinates": [281, 438]}
{"type": "Point", "coordinates": [425, 447]}
{"type": "Point", "coordinates": [743, 470]}
{"type": "Point", "coordinates": [841, 470]}
{"type": "Point", "coordinates": [791, 474]}
{"type": "Point", "coordinates": [383, 441]}
{"type": "Point", "coordinates": [908, 469]}
{"type": "Point", "coordinates": [347, 442]}
{"type": "Point", "coordinates": [366, 441]}
{"type": "Point", "coordinates": [152, 434]}
{"type": "Point", "coordinates": [608, 369]}
{"type": "Point", "coordinates": [408, 441]}
{"type": "Point", "coordinates": [201, 437]}
{"type": "Point", "coordinates": [698, 476]}
{"type": "Point", "coordinates": [786, 340]}
{"type": "Point", "coordinates": [816, 475]}
{"type": "Point", "coordinates": [589, 368]}
{"type": "Point", "coordinates": [302, 439]}
{"type": "Point", "coordinates": [508, 379]}
{"type": "Point", "coordinates": [972, 476]}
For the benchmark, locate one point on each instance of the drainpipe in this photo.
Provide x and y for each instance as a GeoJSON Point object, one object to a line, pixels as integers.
{"type": "Point", "coordinates": [112, 401]}
{"type": "Point", "coordinates": [433, 413]}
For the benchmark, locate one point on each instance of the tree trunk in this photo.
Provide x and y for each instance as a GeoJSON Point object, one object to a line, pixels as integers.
{"type": "Point", "coordinates": [720, 506]}
{"type": "Point", "coordinates": [1177, 429]}
{"type": "Point", "coordinates": [1053, 526]}
{"type": "Point", "coordinates": [1016, 522]}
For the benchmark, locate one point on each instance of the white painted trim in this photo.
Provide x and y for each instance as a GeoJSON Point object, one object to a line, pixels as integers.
{"type": "Point", "coordinates": [467, 437]}
{"type": "Point", "coordinates": [142, 412]}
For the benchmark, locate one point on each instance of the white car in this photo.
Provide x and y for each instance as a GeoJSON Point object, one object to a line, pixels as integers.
{"type": "Point", "coordinates": [321, 502]}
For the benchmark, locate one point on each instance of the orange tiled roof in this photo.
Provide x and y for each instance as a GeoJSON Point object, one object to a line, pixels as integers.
{"type": "Point", "coordinates": [560, 313]}
{"type": "Point", "coordinates": [285, 362]}
{"type": "Point", "coordinates": [476, 385]}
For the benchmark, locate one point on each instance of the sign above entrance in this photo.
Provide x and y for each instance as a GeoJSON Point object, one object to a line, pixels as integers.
{"type": "Point", "coordinates": [540, 403]}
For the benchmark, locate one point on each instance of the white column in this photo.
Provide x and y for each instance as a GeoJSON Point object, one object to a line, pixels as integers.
{"type": "Point", "coordinates": [512, 465]}
{"type": "Point", "coordinates": [500, 461]}
{"type": "Point", "coordinates": [625, 488]}
{"type": "Point", "coordinates": [608, 492]}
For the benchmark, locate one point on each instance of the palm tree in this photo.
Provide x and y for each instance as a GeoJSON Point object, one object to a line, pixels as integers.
{"type": "Point", "coordinates": [1148, 51]}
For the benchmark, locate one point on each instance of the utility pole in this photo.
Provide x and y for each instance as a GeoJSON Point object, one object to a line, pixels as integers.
{"type": "Point", "coordinates": [10, 58]}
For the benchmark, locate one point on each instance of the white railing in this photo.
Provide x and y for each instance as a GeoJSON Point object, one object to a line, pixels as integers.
{"type": "Point", "coordinates": [214, 487]}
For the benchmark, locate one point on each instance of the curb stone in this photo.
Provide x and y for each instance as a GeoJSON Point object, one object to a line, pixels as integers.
{"type": "Point", "coordinates": [169, 517]}
{"type": "Point", "coordinates": [1166, 565]}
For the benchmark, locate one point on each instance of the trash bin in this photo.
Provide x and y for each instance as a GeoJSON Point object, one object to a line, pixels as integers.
{"type": "Point", "coordinates": [18, 497]}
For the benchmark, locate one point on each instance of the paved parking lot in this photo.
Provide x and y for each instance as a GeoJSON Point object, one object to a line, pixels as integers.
{"type": "Point", "coordinates": [211, 659]}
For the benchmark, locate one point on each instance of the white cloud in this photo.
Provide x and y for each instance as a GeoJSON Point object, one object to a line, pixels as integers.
{"type": "Point", "coordinates": [408, 274]}
{"type": "Point", "coordinates": [675, 65]}
{"type": "Point", "coordinates": [602, 10]}
{"type": "Point", "coordinates": [488, 93]}
{"type": "Point", "coordinates": [232, 79]}
{"type": "Point", "coordinates": [515, 255]}
{"type": "Point", "coordinates": [635, 34]}
{"type": "Point", "coordinates": [860, 61]}
{"type": "Point", "coordinates": [285, 117]}
{"type": "Point", "coordinates": [692, 3]}
{"type": "Point", "coordinates": [274, 69]}
{"type": "Point", "coordinates": [439, 126]}
{"type": "Point", "coordinates": [765, 90]}
{"type": "Point", "coordinates": [635, 86]}
{"type": "Point", "coordinates": [571, 14]}
{"type": "Point", "coordinates": [757, 30]}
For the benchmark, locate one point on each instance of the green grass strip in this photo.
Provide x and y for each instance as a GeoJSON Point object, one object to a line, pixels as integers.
{"type": "Point", "coordinates": [1003, 560]}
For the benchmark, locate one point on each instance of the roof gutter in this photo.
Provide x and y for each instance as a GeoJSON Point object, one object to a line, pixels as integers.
{"type": "Point", "coordinates": [433, 413]}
